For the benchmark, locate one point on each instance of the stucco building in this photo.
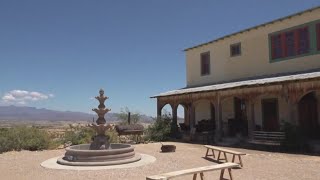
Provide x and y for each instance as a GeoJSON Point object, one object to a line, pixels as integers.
{"type": "Point", "coordinates": [254, 79]}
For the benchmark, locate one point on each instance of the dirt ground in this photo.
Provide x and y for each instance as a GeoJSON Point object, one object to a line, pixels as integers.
{"type": "Point", "coordinates": [257, 165]}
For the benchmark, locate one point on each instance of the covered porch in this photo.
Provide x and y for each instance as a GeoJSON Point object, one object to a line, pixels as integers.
{"type": "Point", "coordinates": [241, 107]}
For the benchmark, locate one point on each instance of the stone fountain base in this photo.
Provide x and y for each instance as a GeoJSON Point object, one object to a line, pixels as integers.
{"type": "Point", "coordinates": [81, 155]}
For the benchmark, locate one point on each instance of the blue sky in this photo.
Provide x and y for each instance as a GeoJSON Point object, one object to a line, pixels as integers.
{"type": "Point", "coordinates": [58, 54]}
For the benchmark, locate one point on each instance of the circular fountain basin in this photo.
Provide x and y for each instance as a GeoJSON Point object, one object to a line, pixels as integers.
{"type": "Point", "coordinates": [81, 155]}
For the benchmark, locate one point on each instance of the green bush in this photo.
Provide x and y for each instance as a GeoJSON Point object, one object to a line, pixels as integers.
{"type": "Point", "coordinates": [78, 135]}
{"type": "Point", "coordinates": [27, 138]}
{"type": "Point", "coordinates": [160, 130]}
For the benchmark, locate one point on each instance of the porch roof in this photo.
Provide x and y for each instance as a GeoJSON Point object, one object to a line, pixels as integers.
{"type": "Point", "coordinates": [243, 83]}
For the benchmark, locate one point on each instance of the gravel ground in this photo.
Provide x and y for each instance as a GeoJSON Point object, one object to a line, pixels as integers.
{"type": "Point", "coordinates": [257, 165]}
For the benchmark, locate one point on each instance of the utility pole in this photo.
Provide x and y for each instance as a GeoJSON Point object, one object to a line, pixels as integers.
{"type": "Point", "coordinates": [129, 118]}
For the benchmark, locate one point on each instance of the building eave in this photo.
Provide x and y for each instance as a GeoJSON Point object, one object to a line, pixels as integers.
{"type": "Point", "coordinates": [241, 84]}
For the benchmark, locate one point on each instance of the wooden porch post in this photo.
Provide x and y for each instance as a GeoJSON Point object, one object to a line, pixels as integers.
{"type": "Point", "coordinates": [218, 118]}
{"type": "Point", "coordinates": [250, 113]}
{"type": "Point", "coordinates": [192, 115]}
{"type": "Point", "coordinates": [159, 108]}
{"type": "Point", "coordinates": [186, 115]}
{"type": "Point", "coordinates": [293, 100]}
{"type": "Point", "coordinates": [174, 127]}
{"type": "Point", "coordinates": [174, 114]}
{"type": "Point", "coordinates": [293, 112]}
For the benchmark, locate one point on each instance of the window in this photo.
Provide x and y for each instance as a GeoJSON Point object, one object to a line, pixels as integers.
{"type": "Point", "coordinates": [318, 36]}
{"type": "Point", "coordinates": [290, 43]}
{"type": "Point", "coordinates": [235, 49]}
{"type": "Point", "coordinates": [290, 49]}
{"type": "Point", "coordinates": [205, 63]}
{"type": "Point", "coordinates": [276, 46]}
{"type": "Point", "coordinates": [303, 40]}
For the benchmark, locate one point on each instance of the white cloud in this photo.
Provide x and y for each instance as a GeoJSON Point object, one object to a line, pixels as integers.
{"type": "Point", "coordinates": [22, 97]}
{"type": "Point", "coordinates": [8, 97]}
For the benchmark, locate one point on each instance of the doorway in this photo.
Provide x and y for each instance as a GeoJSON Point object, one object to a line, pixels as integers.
{"type": "Point", "coordinates": [308, 115]}
{"type": "Point", "coordinates": [239, 123]}
{"type": "Point", "coordinates": [270, 114]}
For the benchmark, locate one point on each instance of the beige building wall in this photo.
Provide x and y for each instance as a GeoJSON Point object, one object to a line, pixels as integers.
{"type": "Point", "coordinates": [254, 59]}
{"type": "Point", "coordinates": [227, 109]}
{"type": "Point", "coordinates": [202, 110]}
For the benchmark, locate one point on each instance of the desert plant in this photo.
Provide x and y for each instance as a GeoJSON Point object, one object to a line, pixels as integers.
{"type": "Point", "coordinates": [78, 134]}
{"type": "Point", "coordinates": [22, 137]}
{"type": "Point", "coordinates": [112, 135]}
{"type": "Point", "coordinates": [160, 129]}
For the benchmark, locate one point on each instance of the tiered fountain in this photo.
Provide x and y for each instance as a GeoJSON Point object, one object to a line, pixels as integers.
{"type": "Point", "coordinates": [100, 152]}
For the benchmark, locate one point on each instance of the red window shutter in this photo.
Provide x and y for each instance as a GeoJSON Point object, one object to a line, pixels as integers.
{"type": "Point", "coordinates": [308, 38]}
{"type": "Point", "coordinates": [318, 36]}
{"type": "Point", "coordinates": [283, 45]}
{"type": "Point", "coordinates": [296, 41]}
{"type": "Point", "coordinates": [273, 47]}
{"type": "Point", "coordinates": [303, 40]}
{"type": "Point", "coordinates": [290, 49]}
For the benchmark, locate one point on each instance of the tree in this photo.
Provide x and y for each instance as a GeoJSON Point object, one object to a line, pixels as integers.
{"type": "Point", "coordinates": [123, 116]}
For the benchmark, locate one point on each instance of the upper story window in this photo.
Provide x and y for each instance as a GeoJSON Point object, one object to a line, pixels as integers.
{"type": "Point", "coordinates": [205, 63]}
{"type": "Point", "coordinates": [290, 43]}
{"type": "Point", "coordinates": [318, 36]}
{"type": "Point", "coordinates": [276, 46]}
{"type": "Point", "coordinates": [303, 40]}
{"type": "Point", "coordinates": [235, 49]}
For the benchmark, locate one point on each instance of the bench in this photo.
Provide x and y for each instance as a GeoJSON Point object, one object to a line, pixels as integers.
{"type": "Point", "coordinates": [137, 133]}
{"type": "Point", "coordinates": [267, 138]}
{"type": "Point", "coordinates": [196, 171]}
{"type": "Point", "coordinates": [224, 152]}
{"type": "Point", "coordinates": [133, 129]}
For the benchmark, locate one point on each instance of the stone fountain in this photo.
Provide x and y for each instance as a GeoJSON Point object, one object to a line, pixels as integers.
{"type": "Point", "coordinates": [100, 152]}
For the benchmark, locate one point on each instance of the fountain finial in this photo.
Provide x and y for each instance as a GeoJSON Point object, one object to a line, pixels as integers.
{"type": "Point", "coordinates": [101, 111]}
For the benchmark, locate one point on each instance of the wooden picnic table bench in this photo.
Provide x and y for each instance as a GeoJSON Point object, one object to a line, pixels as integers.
{"type": "Point", "coordinates": [196, 171]}
{"type": "Point", "coordinates": [224, 152]}
{"type": "Point", "coordinates": [133, 129]}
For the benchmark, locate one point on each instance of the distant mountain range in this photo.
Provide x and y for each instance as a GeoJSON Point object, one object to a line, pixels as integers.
{"type": "Point", "coordinates": [20, 113]}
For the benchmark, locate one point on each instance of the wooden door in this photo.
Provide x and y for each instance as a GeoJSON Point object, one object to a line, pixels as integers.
{"type": "Point", "coordinates": [308, 115]}
{"type": "Point", "coordinates": [270, 115]}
